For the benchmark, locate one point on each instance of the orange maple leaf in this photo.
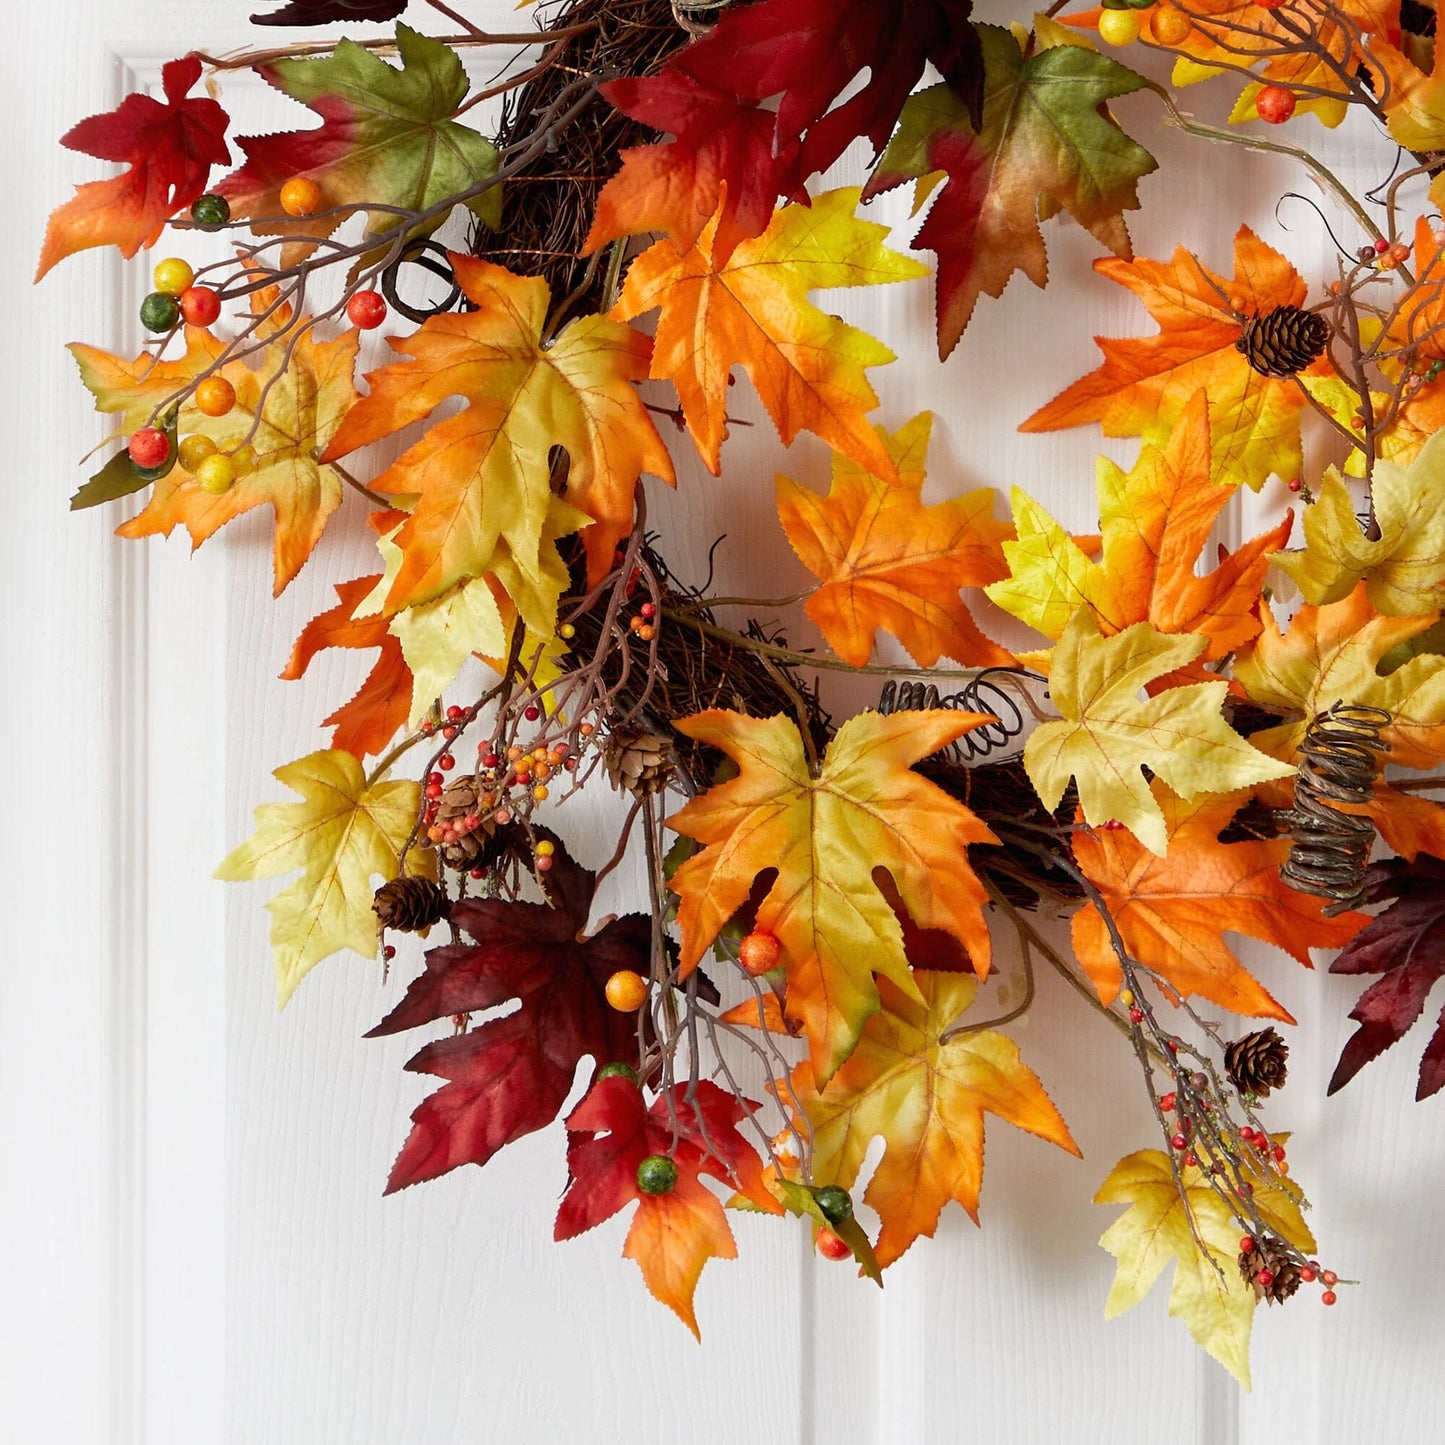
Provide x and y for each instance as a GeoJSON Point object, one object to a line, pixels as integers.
{"type": "Point", "coordinates": [1173, 911]}
{"type": "Point", "coordinates": [825, 835]}
{"type": "Point", "coordinates": [482, 478]}
{"type": "Point", "coordinates": [1412, 100]}
{"type": "Point", "coordinates": [1144, 384]}
{"type": "Point", "coordinates": [885, 560]}
{"type": "Point", "coordinates": [925, 1094]}
{"type": "Point", "coordinates": [752, 310]}
{"type": "Point", "coordinates": [1156, 520]}
{"type": "Point", "coordinates": [367, 723]}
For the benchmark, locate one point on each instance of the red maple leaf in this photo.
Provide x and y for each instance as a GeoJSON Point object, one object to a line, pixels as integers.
{"type": "Point", "coordinates": [169, 147]}
{"type": "Point", "coordinates": [367, 723]}
{"type": "Point", "coordinates": [731, 151]}
{"type": "Point", "coordinates": [511, 1075]}
{"type": "Point", "coordinates": [323, 12]}
{"type": "Point", "coordinates": [673, 1234]}
{"type": "Point", "coordinates": [1405, 943]}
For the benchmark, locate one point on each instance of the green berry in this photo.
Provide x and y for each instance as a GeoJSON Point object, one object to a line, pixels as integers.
{"type": "Point", "coordinates": [159, 311]}
{"type": "Point", "coordinates": [836, 1204]}
{"type": "Point", "coordinates": [657, 1174]}
{"type": "Point", "coordinates": [617, 1070]}
{"type": "Point", "coordinates": [210, 211]}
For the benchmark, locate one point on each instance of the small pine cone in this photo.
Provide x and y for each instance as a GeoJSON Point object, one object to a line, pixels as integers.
{"type": "Point", "coordinates": [1257, 1063]}
{"type": "Point", "coordinates": [463, 848]}
{"type": "Point", "coordinates": [1269, 1260]}
{"type": "Point", "coordinates": [638, 762]}
{"type": "Point", "coordinates": [1283, 341]}
{"type": "Point", "coordinates": [410, 904]}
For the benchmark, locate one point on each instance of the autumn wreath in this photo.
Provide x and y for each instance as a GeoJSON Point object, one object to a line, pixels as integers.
{"type": "Point", "coordinates": [1178, 753]}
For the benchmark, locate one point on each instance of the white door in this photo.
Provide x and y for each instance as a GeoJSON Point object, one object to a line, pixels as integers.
{"type": "Point", "coordinates": [193, 1242]}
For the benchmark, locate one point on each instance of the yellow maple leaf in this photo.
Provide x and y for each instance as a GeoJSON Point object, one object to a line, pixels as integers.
{"type": "Point", "coordinates": [483, 478]}
{"type": "Point", "coordinates": [925, 1095]}
{"type": "Point", "coordinates": [1107, 734]}
{"type": "Point", "coordinates": [884, 559]}
{"type": "Point", "coordinates": [1413, 100]}
{"type": "Point", "coordinates": [825, 835]}
{"type": "Point", "coordinates": [340, 835]}
{"type": "Point", "coordinates": [752, 310]}
{"type": "Point", "coordinates": [1404, 570]}
{"type": "Point", "coordinates": [1208, 1292]}
{"type": "Point", "coordinates": [1156, 519]}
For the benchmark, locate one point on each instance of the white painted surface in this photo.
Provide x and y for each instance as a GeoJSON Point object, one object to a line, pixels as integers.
{"type": "Point", "coordinates": [193, 1243]}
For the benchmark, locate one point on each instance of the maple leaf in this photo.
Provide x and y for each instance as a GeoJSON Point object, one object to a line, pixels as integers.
{"type": "Point", "coordinates": [925, 1095]}
{"type": "Point", "coordinates": [510, 1075]}
{"type": "Point", "coordinates": [752, 310]}
{"type": "Point", "coordinates": [387, 138]}
{"type": "Point", "coordinates": [482, 478]}
{"type": "Point", "coordinates": [1107, 734]}
{"type": "Point", "coordinates": [1156, 519]}
{"type": "Point", "coordinates": [1332, 654]}
{"type": "Point", "coordinates": [369, 721]}
{"type": "Point", "coordinates": [341, 834]}
{"type": "Point", "coordinates": [1412, 99]}
{"type": "Point", "coordinates": [1405, 943]}
{"type": "Point", "coordinates": [1046, 143]}
{"type": "Point", "coordinates": [825, 835]}
{"type": "Point", "coordinates": [1404, 570]}
{"type": "Point", "coordinates": [297, 399]}
{"type": "Point", "coordinates": [1172, 912]}
{"type": "Point", "coordinates": [884, 559]}
{"type": "Point", "coordinates": [1208, 1294]}
{"type": "Point", "coordinates": [672, 1235]}
{"type": "Point", "coordinates": [323, 12]}
{"type": "Point", "coordinates": [1144, 384]}
{"type": "Point", "coordinates": [169, 148]}
{"type": "Point", "coordinates": [731, 157]}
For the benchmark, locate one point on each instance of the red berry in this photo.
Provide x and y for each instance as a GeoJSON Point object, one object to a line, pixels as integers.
{"type": "Point", "coordinates": [1136, 1016]}
{"type": "Point", "coordinates": [1279, 1153]}
{"type": "Point", "coordinates": [1166, 1102]}
{"type": "Point", "coordinates": [1294, 484]}
{"type": "Point", "coordinates": [449, 732]}
{"type": "Point", "coordinates": [1307, 1275]}
{"type": "Point", "coordinates": [200, 305]}
{"type": "Point", "coordinates": [531, 712]}
{"type": "Point", "coordinates": [542, 865]}
{"type": "Point", "coordinates": [1330, 1278]}
{"type": "Point", "coordinates": [1192, 1160]}
{"type": "Point", "coordinates": [831, 1247]}
{"type": "Point", "coordinates": [1179, 1142]}
{"type": "Point", "coordinates": [1246, 1245]}
{"type": "Point", "coordinates": [435, 778]}
{"type": "Point", "coordinates": [759, 953]}
{"type": "Point", "coordinates": [388, 953]}
{"type": "Point", "coordinates": [149, 447]}
{"type": "Point", "coordinates": [366, 309]}
{"type": "Point", "coordinates": [1247, 1133]}
{"type": "Point", "coordinates": [453, 712]}
{"type": "Point", "coordinates": [1328, 1297]}
{"type": "Point", "coordinates": [1275, 104]}
{"type": "Point", "coordinates": [1380, 246]}
{"type": "Point", "coordinates": [647, 609]}
{"type": "Point", "coordinates": [446, 762]}
{"type": "Point", "coordinates": [479, 874]}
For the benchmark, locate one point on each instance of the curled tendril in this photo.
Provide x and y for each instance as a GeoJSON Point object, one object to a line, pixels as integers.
{"type": "Point", "coordinates": [982, 694]}
{"type": "Point", "coordinates": [1295, 196]}
{"type": "Point", "coordinates": [423, 254]}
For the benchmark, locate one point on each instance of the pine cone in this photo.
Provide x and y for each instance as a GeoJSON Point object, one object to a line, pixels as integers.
{"type": "Point", "coordinates": [1269, 1271]}
{"type": "Point", "coordinates": [410, 904]}
{"type": "Point", "coordinates": [1257, 1063]}
{"type": "Point", "coordinates": [459, 846]}
{"type": "Point", "coordinates": [1283, 341]}
{"type": "Point", "coordinates": [638, 762]}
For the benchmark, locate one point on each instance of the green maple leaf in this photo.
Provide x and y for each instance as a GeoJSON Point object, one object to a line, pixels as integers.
{"type": "Point", "coordinates": [1107, 733]}
{"type": "Point", "coordinates": [340, 835]}
{"type": "Point", "coordinates": [387, 137]}
{"type": "Point", "coordinates": [1046, 144]}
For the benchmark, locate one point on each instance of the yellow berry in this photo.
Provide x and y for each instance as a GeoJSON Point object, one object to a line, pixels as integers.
{"type": "Point", "coordinates": [215, 396]}
{"type": "Point", "coordinates": [1118, 27]}
{"type": "Point", "coordinates": [566, 632]}
{"type": "Point", "coordinates": [216, 474]}
{"type": "Point", "coordinates": [173, 275]}
{"type": "Point", "coordinates": [301, 196]}
{"type": "Point", "coordinates": [1127, 998]}
{"type": "Point", "coordinates": [545, 848]}
{"type": "Point", "coordinates": [540, 793]}
{"type": "Point", "coordinates": [194, 450]}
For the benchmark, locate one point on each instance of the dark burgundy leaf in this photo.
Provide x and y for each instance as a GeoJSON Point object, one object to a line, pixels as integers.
{"type": "Point", "coordinates": [323, 12]}
{"type": "Point", "coordinates": [1406, 944]}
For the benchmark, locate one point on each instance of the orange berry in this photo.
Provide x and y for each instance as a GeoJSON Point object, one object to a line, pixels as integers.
{"type": "Point", "coordinates": [215, 396]}
{"type": "Point", "coordinates": [829, 1245]}
{"type": "Point", "coordinates": [1275, 104]}
{"type": "Point", "coordinates": [626, 990]}
{"type": "Point", "coordinates": [1167, 26]}
{"type": "Point", "coordinates": [301, 196]}
{"type": "Point", "coordinates": [540, 794]}
{"type": "Point", "coordinates": [759, 953]}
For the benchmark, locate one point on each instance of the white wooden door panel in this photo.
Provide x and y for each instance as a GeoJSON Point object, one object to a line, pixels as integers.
{"type": "Point", "coordinates": [193, 1240]}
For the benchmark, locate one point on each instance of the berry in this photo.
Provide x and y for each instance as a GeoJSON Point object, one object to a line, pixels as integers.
{"type": "Point", "coordinates": [540, 793]}
{"type": "Point", "coordinates": [617, 1070]}
{"type": "Point", "coordinates": [210, 211]}
{"type": "Point", "coordinates": [1329, 1278]}
{"type": "Point", "coordinates": [1275, 104]}
{"type": "Point", "coordinates": [1307, 1275]}
{"type": "Point", "coordinates": [836, 1203]}
{"type": "Point", "coordinates": [1294, 484]}
{"type": "Point", "coordinates": [657, 1174]}
{"type": "Point", "coordinates": [647, 610]}
{"type": "Point", "coordinates": [759, 953]}
{"type": "Point", "coordinates": [831, 1247]}
{"type": "Point", "coordinates": [1246, 1245]}
{"type": "Point", "coordinates": [149, 447]}
{"type": "Point", "coordinates": [1247, 1133]}
{"type": "Point", "coordinates": [646, 632]}
{"type": "Point", "coordinates": [366, 309]}
{"type": "Point", "coordinates": [1264, 1278]}
{"type": "Point", "coordinates": [626, 990]}
{"type": "Point", "coordinates": [566, 632]}
{"type": "Point", "coordinates": [545, 848]}
{"type": "Point", "coordinates": [216, 474]}
{"type": "Point", "coordinates": [194, 450]}
{"type": "Point", "coordinates": [1380, 246]}
{"type": "Point", "coordinates": [301, 196]}
{"type": "Point", "coordinates": [1167, 26]}
{"type": "Point", "coordinates": [1166, 1102]}
{"type": "Point", "coordinates": [446, 762]}
{"type": "Point", "coordinates": [453, 713]}
{"type": "Point", "coordinates": [388, 953]}
{"type": "Point", "coordinates": [531, 712]}
{"type": "Point", "coordinates": [159, 311]}
{"type": "Point", "coordinates": [215, 396]}
{"type": "Point", "coordinates": [1328, 1297]}
{"type": "Point", "coordinates": [543, 864]}
{"type": "Point", "coordinates": [1179, 1142]}
{"type": "Point", "coordinates": [1136, 1016]}
{"type": "Point", "coordinates": [173, 275]}
{"type": "Point", "coordinates": [1118, 27]}
{"type": "Point", "coordinates": [200, 305]}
